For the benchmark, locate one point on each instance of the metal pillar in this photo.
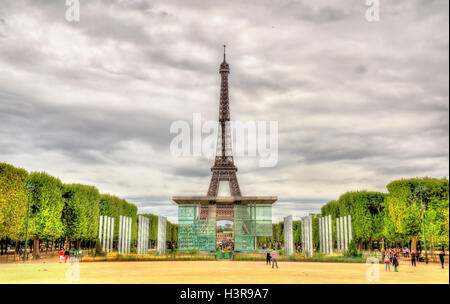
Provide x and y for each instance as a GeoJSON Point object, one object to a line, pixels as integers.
{"type": "Point", "coordinates": [345, 233]}
{"type": "Point", "coordinates": [330, 226]}
{"type": "Point", "coordinates": [100, 226]}
{"type": "Point", "coordinates": [288, 236]}
{"type": "Point", "coordinates": [341, 223]}
{"type": "Point", "coordinates": [320, 235]}
{"type": "Point", "coordinates": [350, 228]}
{"type": "Point", "coordinates": [338, 237]}
{"type": "Point", "coordinates": [162, 221]}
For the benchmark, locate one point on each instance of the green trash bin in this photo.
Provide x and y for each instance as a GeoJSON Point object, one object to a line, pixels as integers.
{"type": "Point", "coordinates": [219, 255]}
{"type": "Point", "coordinates": [227, 255]}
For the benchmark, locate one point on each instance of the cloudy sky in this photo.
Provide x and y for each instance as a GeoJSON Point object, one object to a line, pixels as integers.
{"type": "Point", "coordinates": [358, 103]}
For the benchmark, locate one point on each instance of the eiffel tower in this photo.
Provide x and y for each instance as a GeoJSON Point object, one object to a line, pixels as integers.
{"type": "Point", "coordinates": [224, 169]}
{"type": "Point", "coordinates": [198, 215]}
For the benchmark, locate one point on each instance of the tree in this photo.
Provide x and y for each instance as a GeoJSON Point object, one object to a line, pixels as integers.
{"type": "Point", "coordinates": [404, 203]}
{"type": "Point", "coordinates": [13, 201]}
{"type": "Point", "coordinates": [46, 208]}
{"type": "Point", "coordinates": [81, 212]}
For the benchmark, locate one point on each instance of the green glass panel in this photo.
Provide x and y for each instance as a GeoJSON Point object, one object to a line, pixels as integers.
{"type": "Point", "coordinates": [195, 233]}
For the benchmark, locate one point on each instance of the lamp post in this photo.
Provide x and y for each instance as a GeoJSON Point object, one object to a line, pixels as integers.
{"type": "Point", "coordinates": [30, 188]}
{"type": "Point", "coordinates": [420, 189]}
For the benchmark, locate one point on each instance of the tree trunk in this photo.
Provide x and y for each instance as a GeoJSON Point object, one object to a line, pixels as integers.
{"type": "Point", "coordinates": [382, 243]}
{"type": "Point", "coordinates": [414, 244]}
{"type": "Point", "coordinates": [36, 248]}
{"type": "Point", "coordinates": [16, 248]}
{"type": "Point", "coordinates": [433, 258]}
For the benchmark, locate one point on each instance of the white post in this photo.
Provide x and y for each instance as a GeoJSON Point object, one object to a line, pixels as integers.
{"type": "Point", "coordinates": [129, 235]}
{"type": "Point", "coordinates": [303, 235]}
{"type": "Point", "coordinates": [327, 235]}
{"type": "Point", "coordinates": [100, 225]}
{"type": "Point", "coordinates": [112, 234]}
{"type": "Point", "coordinates": [305, 229]}
{"type": "Point", "coordinates": [330, 225]}
{"type": "Point", "coordinates": [350, 228]}
{"type": "Point", "coordinates": [108, 236]}
{"type": "Point", "coordinates": [139, 235]}
{"type": "Point", "coordinates": [311, 234]}
{"type": "Point", "coordinates": [124, 236]}
{"type": "Point", "coordinates": [345, 233]}
{"type": "Point", "coordinates": [338, 239]}
{"type": "Point", "coordinates": [103, 233]}
{"type": "Point", "coordinates": [146, 236]}
{"type": "Point", "coordinates": [320, 235]}
{"type": "Point", "coordinates": [322, 227]}
{"type": "Point", "coordinates": [288, 240]}
{"type": "Point", "coordinates": [341, 223]}
{"type": "Point", "coordinates": [124, 233]}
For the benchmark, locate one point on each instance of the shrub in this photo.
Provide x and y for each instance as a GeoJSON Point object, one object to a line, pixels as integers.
{"type": "Point", "coordinates": [352, 251]}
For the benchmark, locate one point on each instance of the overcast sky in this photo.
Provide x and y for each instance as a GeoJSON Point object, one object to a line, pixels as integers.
{"type": "Point", "coordinates": [358, 103]}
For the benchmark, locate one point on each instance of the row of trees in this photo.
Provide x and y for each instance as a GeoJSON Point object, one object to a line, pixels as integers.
{"type": "Point", "coordinates": [392, 217]}
{"type": "Point", "coordinates": [396, 216]}
{"type": "Point", "coordinates": [60, 211]}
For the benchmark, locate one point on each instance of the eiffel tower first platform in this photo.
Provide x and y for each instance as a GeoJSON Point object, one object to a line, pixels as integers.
{"type": "Point", "coordinates": [198, 215]}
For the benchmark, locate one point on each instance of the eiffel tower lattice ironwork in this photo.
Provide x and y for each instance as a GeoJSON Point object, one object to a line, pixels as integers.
{"type": "Point", "coordinates": [224, 168]}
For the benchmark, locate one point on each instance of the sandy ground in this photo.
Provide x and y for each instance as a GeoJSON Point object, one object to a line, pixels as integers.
{"type": "Point", "coordinates": [216, 272]}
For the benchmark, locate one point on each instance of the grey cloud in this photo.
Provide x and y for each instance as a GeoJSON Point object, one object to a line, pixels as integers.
{"type": "Point", "coordinates": [347, 94]}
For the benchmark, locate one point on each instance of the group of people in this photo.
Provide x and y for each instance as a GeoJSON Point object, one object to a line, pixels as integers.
{"type": "Point", "coordinates": [69, 256]}
{"type": "Point", "coordinates": [391, 256]}
{"type": "Point", "coordinates": [272, 256]}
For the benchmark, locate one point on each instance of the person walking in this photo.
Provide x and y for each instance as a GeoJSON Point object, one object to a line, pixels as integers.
{"type": "Point", "coordinates": [66, 255]}
{"type": "Point", "coordinates": [268, 257]}
{"type": "Point", "coordinates": [395, 263]}
{"type": "Point", "coordinates": [61, 255]}
{"type": "Point", "coordinates": [387, 262]}
{"type": "Point", "coordinates": [441, 258]}
{"type": "Point", "coordinates": [274, 257]}
{"type": "Point", "coordinates": [413, 258]}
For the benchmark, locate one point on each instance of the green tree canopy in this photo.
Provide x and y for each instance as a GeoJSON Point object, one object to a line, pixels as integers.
{"type": "Point", "coordinates": [81, 211]}
{"type": "Point", "coordinates": [13, 201]}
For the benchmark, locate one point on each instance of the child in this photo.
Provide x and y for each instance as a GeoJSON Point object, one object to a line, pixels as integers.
{"type": "Point", "coordinates": [387, 262]}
